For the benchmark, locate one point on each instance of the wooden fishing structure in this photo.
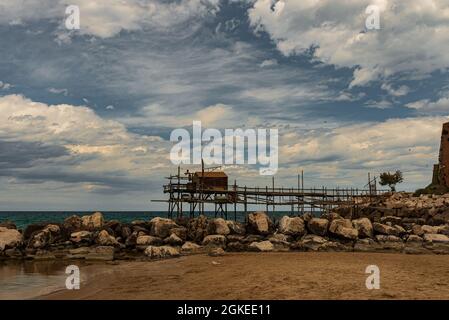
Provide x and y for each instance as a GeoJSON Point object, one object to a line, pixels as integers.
{"type": "Point", "coordinates": [191, 191]}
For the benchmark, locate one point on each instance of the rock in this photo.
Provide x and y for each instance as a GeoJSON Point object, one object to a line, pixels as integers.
{"type": "Point", "coordinates": [259, 223]}
{"type": "Point", "coordinates": [148, 241]}
{"type": "Point", "coordinates": [161, 252]}
{"type": "Point", "coordinates": [215, 252]}
{"type": "Point", "coordinates": [81, 236]}
{"type": "Point", "coordinates": [342, 228]}
{"type": "Point", "coordinates": [252, 238]}
{"type": "Point", "coordinates": [191, 247]}
{"type": "Point", "coordinates": [414, 238]}
{"type": "Point", "coordinates": [105, 239]}
{"type": "Point", "coordinates": [197, 228]}
{"type": "Point", "coordinates": [292, 226]}
{"type": "Point", "coordinates": [215, 240]}
{"type": "Point", "coordinates": [391, 219]}
{"type": "Point", "coordinates": [280, 237]}
{"type": "Point", "coordinates": [8, 225]}
{"type": "Point", "coordinates": [310, 242]}
{"type": "Point", "coordinates": [263, 246]}
{"type": "Point", "coordinates": [306, 217]}
{"type": "Point", "coordinates": [318, 226]}
{"type": "Point", "coordinates": [429, 229]}
{"type": "Point", "coordinates": [390, 242]}
{"type": "Point", "coordinates": [334, 246]}
{"type": "Point", "coordinates": [331, 216]}
{"type": "Point", "coordinates": [366, 245]}
{"type": "Point", "coordinates": [161, 227]}
{"type": "Point", "coordinates": [181, 232]}
{"type": "Point", "coordinates": [9, 238]}
{"type": "Point", "coordinates": [49, 235]}
{"type": "Point", "coordinates": [103, 253]}
{"type": "Point", "coordinates": [173, 240]}
{"type": "Point", "coordinates": [218, 226]}
{"type": "Point", "coordinates": [364, 227]}
{"type": "Point", "coordinates": [73, 224]}
{"type": "Point", "coordinates": [385, 229]}
{"type": "Point", "coordinates": [417, 230]}
{"type": "Point", "coordinates": [281, 242]}
{"type": "Point", "coordinates": [13, 253]}
{"type": "Point", "coordinates": [32, 229]}
{"type": "Point", "coordinates": [236, 246]}
{"type": "Point", "coordinates": [236, 227]}
{"type": "Point", "coordinates": [125, 232]}
{"type": "Point", "coordinates": [93, 222]}
{"type": "Point", "coordinates": [436, 238]}
{"type": "Point", "coordinates": [78, 253]}
{"type": "Point", "coordinates": [234, 237]}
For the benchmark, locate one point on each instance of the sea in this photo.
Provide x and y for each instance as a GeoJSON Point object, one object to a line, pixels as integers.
{"type": "Point", "coordinates": [24, 218]}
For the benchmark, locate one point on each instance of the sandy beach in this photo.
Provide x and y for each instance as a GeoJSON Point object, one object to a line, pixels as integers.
{"type": "Point", "coordinates": [295, 275]}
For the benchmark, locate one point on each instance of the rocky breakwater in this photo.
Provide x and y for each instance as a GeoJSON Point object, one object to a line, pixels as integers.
{"type": "Point", "coordinates": [92, 238]}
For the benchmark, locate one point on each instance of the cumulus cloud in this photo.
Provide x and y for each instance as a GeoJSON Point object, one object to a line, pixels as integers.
{"type": "Point", "coordinates": [71, 144]}
{"type": "Point", "coordinates": [413, 39]}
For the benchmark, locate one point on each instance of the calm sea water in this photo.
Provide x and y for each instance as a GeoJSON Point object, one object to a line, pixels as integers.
{"type": "Point", "coordinates": [24, 218]}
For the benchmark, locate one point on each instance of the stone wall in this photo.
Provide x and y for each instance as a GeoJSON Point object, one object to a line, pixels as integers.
{"type": "Point", "coordinates": [400, 223]}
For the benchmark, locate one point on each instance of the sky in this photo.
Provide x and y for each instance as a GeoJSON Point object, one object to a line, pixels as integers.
{"type": "Point", "coordinates": [86, 115]}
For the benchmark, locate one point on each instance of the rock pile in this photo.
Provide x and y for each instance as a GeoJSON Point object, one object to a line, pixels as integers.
{"type": "Point", "coordinates": [400, 223]}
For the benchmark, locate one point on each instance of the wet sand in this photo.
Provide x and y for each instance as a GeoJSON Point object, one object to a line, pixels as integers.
{"type": "Point", "coordinates": [294, 275]}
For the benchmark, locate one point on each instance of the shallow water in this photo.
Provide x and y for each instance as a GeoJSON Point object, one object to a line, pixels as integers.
{"type": "Point", "coordinates": [30, 279]}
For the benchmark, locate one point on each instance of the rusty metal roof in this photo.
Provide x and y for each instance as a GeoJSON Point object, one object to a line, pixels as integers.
{"type": "Point", "coordinates": [211, 174]}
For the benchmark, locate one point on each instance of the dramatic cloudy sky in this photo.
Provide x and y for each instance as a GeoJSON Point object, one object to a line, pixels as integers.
{"type": "Point", "coordinates": [86, 115]}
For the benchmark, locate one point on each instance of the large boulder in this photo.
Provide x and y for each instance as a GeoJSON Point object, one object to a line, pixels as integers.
{"type": "Point", "coordinates": [217, 240]}
{"type": "Point", "coordinates": [385, 229]}
{"type": "Point", "coordinates": [49, 235]}
{"type": "Point", "coordinates": [436, 238]}
{"type": "Point", "coordinates": [310, 242]}
{"type": "Point", "coordinates": [292, 226]}
{"type": "Point", "coordinates": [259, 223]}
{"type": "Point", "coordinates": [364, 227]}
{"type": "Point", "coordinates": [197, 228]}
{"type": "Point", "coordinates": [148, 241]}
{"type": "Point", "coordinates": [236, 227]}
{"type": "Point", "coordinates": [218, 226]}
{"type": "Point", "coordinates": [318, 226]}
{"type": "Point", "coordinates": [9, 238]}
{"type": "Point", "coordinates": [81, 237]}
{"type": "Point", "coordinates": [105, 239]}
{"type": "Point", "coordinates": [73, 224]}
{"type": "Point", "coordinates": [390, 242]}
{"type": "Point", "coordinates": [161, 252]}
{"type": "Point", "coordinates": [263, 246]}
{"type": "Point", "coordinates": [191, 247]}
{"type": "Point", "coordinates": [181, 232]}
{"type": "Point", "coordinates": [161, 227]}
{"type": "Point", "coordinates": [173, 240]}
{"type": "Point", "coordinates": [342, 228]}
{"type": "Point", "coordinates": [94, 221]}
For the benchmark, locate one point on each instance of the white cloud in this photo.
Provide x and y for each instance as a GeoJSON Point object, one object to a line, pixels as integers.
{"type": "Point", "coordinates": [268, 63]}
{"type": "Point", "coordinates": [413, 39]}
{"type": "Point", "coordinates": [401, 91]}
{"type": "Point", "coordinates": [425, 105]}
{"type": "Point", "coordinates": [107, 18]}
{"type": "Point", "coordinates": [345, 154]}
{"type": "Point", "coordinates": [98, 149]}
{"type": "Point", "coordinates": [5, 86]}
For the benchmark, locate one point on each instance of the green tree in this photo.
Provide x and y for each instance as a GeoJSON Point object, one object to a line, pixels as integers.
{"type": "Point", "coordinates": [391, 179]}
